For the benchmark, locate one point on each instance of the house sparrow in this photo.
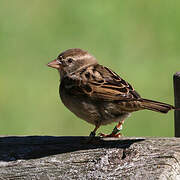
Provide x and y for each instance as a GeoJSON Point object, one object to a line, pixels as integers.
{"type": "Point", "coordinates": [96, 94]}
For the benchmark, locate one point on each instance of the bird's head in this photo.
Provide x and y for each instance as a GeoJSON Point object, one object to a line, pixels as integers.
{"type": "Point", "coordinates": [72, 60]}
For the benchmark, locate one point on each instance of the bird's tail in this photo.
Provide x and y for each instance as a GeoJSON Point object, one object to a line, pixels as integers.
{"type": "Point", "coordinates": [156, 106]}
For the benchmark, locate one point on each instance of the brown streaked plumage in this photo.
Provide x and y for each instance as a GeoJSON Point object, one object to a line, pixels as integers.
{"type": "Point", "coordinates": [97, 94]}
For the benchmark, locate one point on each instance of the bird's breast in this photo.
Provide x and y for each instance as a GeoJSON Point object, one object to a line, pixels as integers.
{"type": "Point", "coordinates": [82, 107]}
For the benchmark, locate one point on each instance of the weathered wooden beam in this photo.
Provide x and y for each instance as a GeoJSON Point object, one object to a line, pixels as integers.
{"type": "Point", "coordinates": [177, 103]}
{"type": "Point", "coordinates": [47, 157]}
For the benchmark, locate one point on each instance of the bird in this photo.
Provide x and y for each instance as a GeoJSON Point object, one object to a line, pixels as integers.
{"type": "Point", "coordinates": [97, 94]}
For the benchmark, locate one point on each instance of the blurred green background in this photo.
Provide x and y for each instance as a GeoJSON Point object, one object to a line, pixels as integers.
{"type": "Point", "coordinates": [139, 40]}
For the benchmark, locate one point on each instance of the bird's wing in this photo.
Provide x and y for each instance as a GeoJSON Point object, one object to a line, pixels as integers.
{"type": "Point", "coordinates": [100, 83]}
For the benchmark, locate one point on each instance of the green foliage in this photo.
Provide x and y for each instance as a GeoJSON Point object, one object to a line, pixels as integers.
{"type": "Point", "coordinates": [137, 39]}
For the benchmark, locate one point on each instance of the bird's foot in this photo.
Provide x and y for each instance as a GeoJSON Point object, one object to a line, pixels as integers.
{"type": "Point", "coordinates": [92, 139]}
{"type": "Point", "coordinates": [92, 134]}
{"type": "Point", "coordinates": [118, 135]}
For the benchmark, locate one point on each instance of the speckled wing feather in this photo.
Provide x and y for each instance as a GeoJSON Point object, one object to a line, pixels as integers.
{"type": "Point", "coordinates": [101, 83]}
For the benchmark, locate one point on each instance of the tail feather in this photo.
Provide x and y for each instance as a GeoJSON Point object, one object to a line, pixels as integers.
{"type": "Point", "coordinates": [156, 106]}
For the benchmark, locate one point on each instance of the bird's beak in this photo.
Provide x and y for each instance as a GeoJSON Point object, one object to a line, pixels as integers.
{"type": "Point", "coordinates": [54, 64]}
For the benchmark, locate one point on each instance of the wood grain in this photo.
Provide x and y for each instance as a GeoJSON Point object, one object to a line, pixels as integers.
{"type": "Point", "coordinates": [48, 157]}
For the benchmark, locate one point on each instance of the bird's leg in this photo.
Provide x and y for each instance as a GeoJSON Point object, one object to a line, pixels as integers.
{"type": "Point", "coordinates": [118, 128]}
{"type": "Point", "coordinates": [115, 132]}
{"type": "Point", "coordinates": [93, 133]}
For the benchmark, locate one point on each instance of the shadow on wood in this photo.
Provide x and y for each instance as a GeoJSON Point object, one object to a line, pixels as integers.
{"type": "Point", "coordinates": [48, 157]}
{"type": "Point", "coordinates": [31, 147]}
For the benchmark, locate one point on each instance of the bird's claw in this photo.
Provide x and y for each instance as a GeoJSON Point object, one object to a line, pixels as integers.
{"type": "Point", "coordinates": [118, 135]}
{"type": "Point", "coordinates": [92, 134]}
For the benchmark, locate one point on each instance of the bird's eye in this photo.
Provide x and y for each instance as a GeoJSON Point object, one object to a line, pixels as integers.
{"type": "Point", "coordinates": [70, 60]}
